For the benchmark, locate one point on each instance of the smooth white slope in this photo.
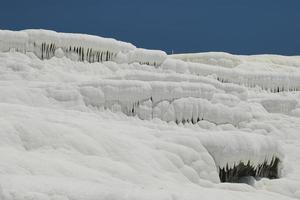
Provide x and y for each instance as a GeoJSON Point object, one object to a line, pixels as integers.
{"type": "Point", "coordinates": [55, 153]}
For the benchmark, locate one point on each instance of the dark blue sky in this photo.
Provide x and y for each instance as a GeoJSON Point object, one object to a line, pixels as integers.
{"type": "Point", "coordinates": [235, 26]}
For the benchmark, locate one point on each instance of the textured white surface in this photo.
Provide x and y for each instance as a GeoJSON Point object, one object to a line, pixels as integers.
{"type": "Point", "coordinates": [73, 130]}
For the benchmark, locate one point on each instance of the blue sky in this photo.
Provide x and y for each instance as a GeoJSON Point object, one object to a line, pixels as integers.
{"type": "Point", "coordinates": [235, 26]}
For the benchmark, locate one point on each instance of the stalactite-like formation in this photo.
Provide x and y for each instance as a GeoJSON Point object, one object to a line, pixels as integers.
{"type": "Point", "coordinates": [78, 47]}
{"type": "Point", "coordinates": [90, 55]}
{"type": "Point", "coordinates": [275, 89]}
{"type": "Point", "coordinates": [234, 174]}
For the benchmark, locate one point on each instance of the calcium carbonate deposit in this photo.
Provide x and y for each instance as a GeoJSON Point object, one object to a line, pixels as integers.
{"type": "Point", "coordinates": [91, 118]}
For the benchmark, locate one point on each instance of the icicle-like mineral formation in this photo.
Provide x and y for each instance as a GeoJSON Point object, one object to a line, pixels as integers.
{"type": "Point", "coordinates": [239, 155]}
{"type": "Point", "coordinates": [80, 47]}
